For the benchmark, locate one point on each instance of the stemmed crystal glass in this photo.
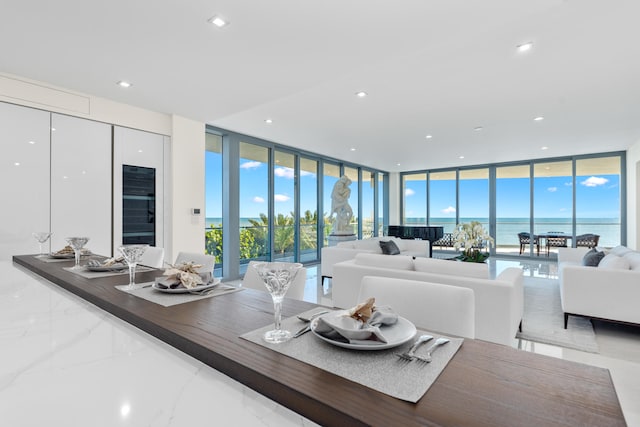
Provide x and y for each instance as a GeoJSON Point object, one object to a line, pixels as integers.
{"type": "Point", "coordinates": [277, 277]}
{"type": "Point", "coordinates": [132, 255]}
{"type": "Point", "coordinates": [41, 237]}
{"type": "Point", "coordinates": [77, 243]}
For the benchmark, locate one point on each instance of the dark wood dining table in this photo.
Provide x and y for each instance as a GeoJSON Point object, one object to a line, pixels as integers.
{"type": "Point", "coordinates": [484, 384]}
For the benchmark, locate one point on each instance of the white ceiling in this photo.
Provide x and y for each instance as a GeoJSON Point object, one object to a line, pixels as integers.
{"type": "Point", "coordinates": [439, 67]}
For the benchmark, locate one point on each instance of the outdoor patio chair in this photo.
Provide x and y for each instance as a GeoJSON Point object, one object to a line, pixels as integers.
{"type": "Point", "coordinates": [555, 241]}
{"type": "Point", "coordinates": [525, 240]}
{"type": "Point", "coordinates": [587, 240]}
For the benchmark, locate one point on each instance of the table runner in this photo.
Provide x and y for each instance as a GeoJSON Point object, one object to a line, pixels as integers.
{"type": "Point", "coordinates": [88, 274]}
{"type": "Point", "coordinates": [145, 291]}
{"type": "Point", "coordinates": [380, 370]}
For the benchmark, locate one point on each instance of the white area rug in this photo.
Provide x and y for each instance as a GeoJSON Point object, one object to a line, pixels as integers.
{"type": "Point", "coordinates": [544, 321]}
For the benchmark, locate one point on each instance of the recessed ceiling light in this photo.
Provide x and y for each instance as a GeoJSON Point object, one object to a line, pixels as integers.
{"type": "Point", "coordinates": [268, 121]}
{"type": "Point", "coordinates": [397, 164]}
{"type": "Point", "coordinates": [478, 128]}
{"type": "Point", "coordinates": [353, 149]}
{"type": "Point", "coordinates": [16, 164]}
{"type": "Point", "coordinates": [525, 47]}
{"type": "Point", "coordinates": [461, 157]}
{"type": "Point", "coordinates": [32, 142]}
{"type": "Point", "coordinates": [429, 136]}
{"type": "Point", "coordinates": [361, 94]}
{"type": "Point", "coordinates": [218, 21]}
{"type": "Point", "coordinates": [538, 119]}
{"type": "Point", "coordinates": [123, 83]}
{"type": "Point", "coordinates": [139, 151]}
{"type": "Point", "coordinates": [53, 129]}
{"type": "Point", "coordinates": [544, 148]}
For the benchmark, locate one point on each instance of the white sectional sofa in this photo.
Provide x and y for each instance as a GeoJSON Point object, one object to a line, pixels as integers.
{"type": "Point", "coordinates": [347, 250]}
{"type": "Point", "coordinates": [610, 290]}
{"type": "Point", "coordinates": [499, 302]}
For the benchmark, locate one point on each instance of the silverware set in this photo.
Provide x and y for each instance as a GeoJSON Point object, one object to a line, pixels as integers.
{"type": "Point", "coordinates": [410, 355]}
{"type": "Point", "coordinates": [307, 327]}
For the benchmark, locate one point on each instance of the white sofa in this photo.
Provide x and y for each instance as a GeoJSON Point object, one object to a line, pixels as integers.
{"type": "Point", "coordinates": [499, 302]}
{"type": "Point", "coordinates": [347, 250]}
{"type": "Point", "coordinates": [609, 291]}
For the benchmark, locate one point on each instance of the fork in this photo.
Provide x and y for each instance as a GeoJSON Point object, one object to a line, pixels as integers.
{"type": "Point", "coordinates": [409, 355]}
{"type": "Point", "coordinates": [431, 349]}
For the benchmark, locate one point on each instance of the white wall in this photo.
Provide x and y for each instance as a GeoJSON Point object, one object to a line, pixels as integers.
{"type": "Point", "coordinates": [187, 170]}
{"type": "Point", "coordinates": [633, 196]}
{"type": "Point", "coordinates": [395, 199]}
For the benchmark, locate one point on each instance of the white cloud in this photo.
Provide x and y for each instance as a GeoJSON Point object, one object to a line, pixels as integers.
{"type": "Point", "coordinates": [250, 165]}
{"type": "Point", "coordinates": [563, 209]}
{"type": "Point", "coordinates": [552, 189]}
{"type": "Point", "coordinates": [568, 184]}
{"type": "Point", "coordinates": [594, 181]}
{"type": "Point", "coordinates": [409, 192]}
{"type": "Point", "coordinates": [449, 210]}
{"type": "Point", "coordinates": [258, 199]}
{"type": "Point", "coordinates": [281, 198]}
{"type": "Point", "coordinates": [283, 173]}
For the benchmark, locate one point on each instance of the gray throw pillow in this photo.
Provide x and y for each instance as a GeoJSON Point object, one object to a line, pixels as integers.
{"type": "Point", "coordinates": [592, 258]}
{"type": "Point", "coordinates": [389, 248]}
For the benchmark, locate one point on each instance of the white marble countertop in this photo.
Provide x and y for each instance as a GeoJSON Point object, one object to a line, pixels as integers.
{"type": "Point", "coordinates": [68, 363]}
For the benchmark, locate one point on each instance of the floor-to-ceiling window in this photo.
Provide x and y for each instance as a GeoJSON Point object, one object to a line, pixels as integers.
{"type": "Point", "coordinates": [442, 200]}
{"type": "Point", "coordinates": [598, 199]}
{"type": "Point", "coordinates": [213, 198]}
{"type": "Point", "coordinates": [308, 209]}
{"type": "Point", "coordinates": [284, 224]}
{"type": "Point", "coordinates": [552, 204]}
{"type": "Point", "coordinates": [368, 203]}
{"type": "Point", "coordinates": [279, 200]}
{"type": "Point", "coordinates": [531, 211]}
{"type": "Point", "coordinates": [513, 209]}
{"type": "Point", "coordinates": [414, 206]}
{"type": "Point", "coordinates": [330, 175]}
{"type": "Point", "coordinates": [352, 173]}
{"type": "Point", "coordinates": [254, 202]}
{"type": "Point", "coordinates": [473, 196]}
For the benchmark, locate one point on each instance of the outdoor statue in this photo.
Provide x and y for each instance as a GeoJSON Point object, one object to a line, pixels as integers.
{"type": "Point", "coordinates": [340, 206]}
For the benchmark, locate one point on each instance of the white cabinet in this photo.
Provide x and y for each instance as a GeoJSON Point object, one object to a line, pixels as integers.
{"type": "Point", "coordinates": [24, 174]}
{"type": "Point", "coordinates": [81, 182]}
{"type": "Point", "coordinates": [139, 187]}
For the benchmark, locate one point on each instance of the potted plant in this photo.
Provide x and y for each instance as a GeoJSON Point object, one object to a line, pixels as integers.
{"type": "Point", "coordinates": [473, 239]}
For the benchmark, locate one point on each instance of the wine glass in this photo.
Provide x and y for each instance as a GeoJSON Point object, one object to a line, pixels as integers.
{"type": "Point", "coordinates": [132, 255]}
{"type": "Point", "coordinates": [41, 237]}
{"type": "Point", "coordinates": [77, 243]}
{"type": "Point", "coordinates": [277, 277]}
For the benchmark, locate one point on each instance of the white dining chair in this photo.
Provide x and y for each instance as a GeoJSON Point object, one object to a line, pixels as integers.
{"type": "Point", "coordinates": [440, 308]}
{"type": "Point", "coordinates": [153, 257]}
{"type": "Point", "coordinates": [208, 262]}
{"type": "Point", "coordinates": [296, 289]}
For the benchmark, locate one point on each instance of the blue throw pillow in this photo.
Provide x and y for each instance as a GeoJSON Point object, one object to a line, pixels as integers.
{"type": "Point", "coordinates": [389, 248]}
{"type": "Point", "coordinates": [592, 258]}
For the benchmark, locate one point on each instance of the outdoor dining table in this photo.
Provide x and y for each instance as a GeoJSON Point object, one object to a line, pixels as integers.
{"type": "Point", "coordinates": [483, 384]}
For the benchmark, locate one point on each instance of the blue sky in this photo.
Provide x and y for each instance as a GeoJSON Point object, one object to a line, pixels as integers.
{"type": "Point", "coordinates": [596, 196]}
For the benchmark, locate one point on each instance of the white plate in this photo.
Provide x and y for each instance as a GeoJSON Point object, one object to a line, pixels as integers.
{"type": "Point", "coordinates": [396, 334]}
{"type": "Point", "coordinates": [215, 282]}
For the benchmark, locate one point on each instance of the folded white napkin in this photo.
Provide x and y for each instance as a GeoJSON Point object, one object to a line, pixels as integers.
{"type": "Point", "coordinates": [173, 282]}
{"type": "Point", "coordinates": [344, 328]}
